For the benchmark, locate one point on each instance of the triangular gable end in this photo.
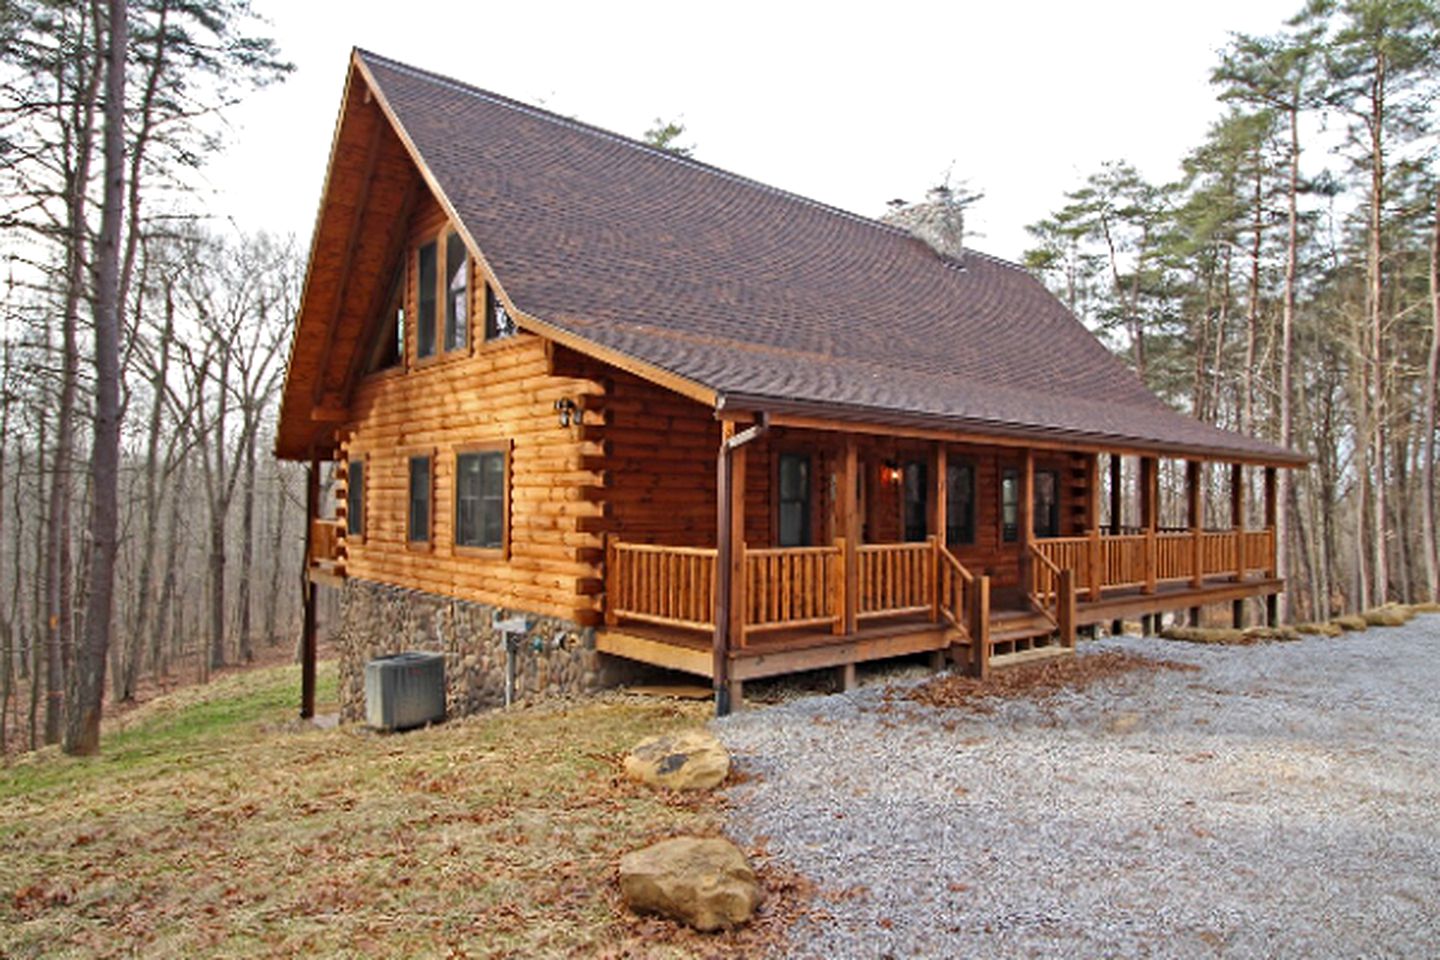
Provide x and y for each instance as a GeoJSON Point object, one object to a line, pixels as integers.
{"type": "Point", "coordinates": [375, 181]}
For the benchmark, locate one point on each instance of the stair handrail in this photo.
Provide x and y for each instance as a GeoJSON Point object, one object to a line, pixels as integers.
{"type": "Point", "coordinates": [952, 601]}
{"type": "Point", "coordinates": [1044, 587]}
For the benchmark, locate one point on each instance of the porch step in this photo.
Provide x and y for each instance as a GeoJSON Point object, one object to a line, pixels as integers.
{"type": "Point", "coordinates": [1049, 652]}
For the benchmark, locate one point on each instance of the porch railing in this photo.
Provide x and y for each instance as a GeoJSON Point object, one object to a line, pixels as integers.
{"type": "Point", "coordinates": [791, 587]}
{"type": "Point", "coordinates": [1108, 562]}
{"type": "Point", "coordinates": [895, 579]}
{"type": "Point", "coordinates": [672, 586]}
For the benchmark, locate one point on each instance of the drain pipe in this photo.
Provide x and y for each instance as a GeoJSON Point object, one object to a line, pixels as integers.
{"type": "Point", "coordinates": [725, 550]}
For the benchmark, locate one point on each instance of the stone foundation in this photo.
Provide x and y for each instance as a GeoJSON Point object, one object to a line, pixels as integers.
{"type": "Point", "coordinates": [555, 656]}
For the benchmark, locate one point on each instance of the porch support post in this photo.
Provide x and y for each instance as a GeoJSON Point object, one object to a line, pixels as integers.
{"type": "Point", "coordinates": [1271, 516]}
{"type": "Point", "coordinates": [847, 525]}
{"type": "Point", "coordinates": [1117, 517]}
{"type": "Point", "coordinates": [1237, 516]}
{"type": "Point", "coordinates": [937, 519]}
{"type": "Point", "coordinates": [1195, 505]}
{"type": "Point", "coordinates": [1272, 569]}
{"type": "Point", "coordinates": [1025, 515]}
{"type": "Point", "coordinates": [729, 555]}
{"type": "Point", "coordinates": [1092, 529]}
{"type": "Point", "coordinates": [308, 627]}
{"type": "Point", "coordinates": [1149, 503]}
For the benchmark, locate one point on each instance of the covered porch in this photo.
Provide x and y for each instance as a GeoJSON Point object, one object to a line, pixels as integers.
{"type": "Point", "coordinates": [1034, 557]}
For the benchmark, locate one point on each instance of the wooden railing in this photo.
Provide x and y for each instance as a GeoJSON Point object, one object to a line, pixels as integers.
{"type": "Point", "coordinates": [1260, 550]}
{"type": "Point", "coordinates": [1138, 560]}
{"type": "Point", "coordinates": [895, 579]}
{"type": "Point", "coordinates": [673, 586]}
{"type": "Point", "coordinates": [955, 585]}
{"type": "Point", "coordinates": [792, 587]}
{"type": "Point", "coordinates": [1217, 552]}
{"type": "Point", "coordinates": [1052, 591]}
{"type": "Point", "coordinates": [324, 541]}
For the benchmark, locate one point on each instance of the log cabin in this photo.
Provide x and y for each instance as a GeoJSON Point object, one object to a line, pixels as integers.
{"type": "Point", "coordinates": [656, 413]}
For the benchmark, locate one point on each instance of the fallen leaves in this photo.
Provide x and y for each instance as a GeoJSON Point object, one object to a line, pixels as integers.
{"type": "Point", "coordinates": [1036, 681]}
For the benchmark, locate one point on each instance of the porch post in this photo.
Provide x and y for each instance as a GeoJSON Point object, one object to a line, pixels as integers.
{"type": "Point", "coordinates": [1149, 502]}
{"type": "Point", "coordinates": [729, 556]}
{"type": "Point", "coordinates": [937, 520]}
{"type": "Point", "coordinates": [1025, 515]}
{"type": "Point", "coordinates": [847, 524]}
{"type": "Point", "coordinates": [308, 627]}
{"type": "Point", "coordinates": [1117, 517]}
{"type": "Point", "coordinates": [1195, 505]}
{"type": "Point", "coordinates": [1092, 482]}
{"type": "Point", "coordinates": [1272, 601]}
{"type": "Point", "coordinates": [1237, 524]}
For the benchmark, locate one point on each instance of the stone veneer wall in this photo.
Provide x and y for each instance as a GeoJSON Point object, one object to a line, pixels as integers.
{"type": "Point", "coordinates": [377, 619]}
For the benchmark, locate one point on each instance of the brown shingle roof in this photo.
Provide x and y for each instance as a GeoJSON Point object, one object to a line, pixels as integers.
{"type": "Point", "coordinates": [762, 296]}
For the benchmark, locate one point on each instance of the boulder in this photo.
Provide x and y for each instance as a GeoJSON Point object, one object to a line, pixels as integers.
{"type": "Point", "coordinates": [706, 883]}
{"type": "Point", "coordinates": [688, 760]}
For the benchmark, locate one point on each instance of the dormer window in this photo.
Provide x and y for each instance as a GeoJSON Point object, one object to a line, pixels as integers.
{"type": "Point", "coordinates": [457, 292]}
{"type": "Point", "coordinates": [497, 319]}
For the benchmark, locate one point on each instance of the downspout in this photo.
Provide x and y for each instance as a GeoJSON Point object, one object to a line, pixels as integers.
{"type": "Point", "coordinates": [724, 483]}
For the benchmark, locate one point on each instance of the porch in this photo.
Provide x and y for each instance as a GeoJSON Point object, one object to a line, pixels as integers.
{"type": "Point", "coordinates": [806, 608]}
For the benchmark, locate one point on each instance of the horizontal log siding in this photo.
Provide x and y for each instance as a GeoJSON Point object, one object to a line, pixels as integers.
{"type": "Point", "coordinates": [502, 391]}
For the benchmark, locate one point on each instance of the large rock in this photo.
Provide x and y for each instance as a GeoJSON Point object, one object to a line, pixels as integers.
{"type": "Point", "coordinates": [690, 760]}
{"type": "Point", "coordinates": [706, 883]}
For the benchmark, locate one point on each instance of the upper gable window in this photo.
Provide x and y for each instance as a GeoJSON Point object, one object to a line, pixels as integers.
{"type": "Point", "coordinates": [425, 300]}
{"type": "Point", "coordinates": [497, 319]}
{"type": "Point", "coordinates": [457, 292]}
{"type": "Point", "coordinates": [389, 349]}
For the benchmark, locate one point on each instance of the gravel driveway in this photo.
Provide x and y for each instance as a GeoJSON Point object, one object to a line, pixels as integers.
{"type": "Point", "coordinates": [1283, 800]}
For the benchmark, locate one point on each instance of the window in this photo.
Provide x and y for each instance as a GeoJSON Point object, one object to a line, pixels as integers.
{"type": "Point", "coordinates": [425, 301]}
{"type": "Point", "coordinates": [457, 292]}
{"type": "Point", "coordinates": [1010, 505]}
{"type": "Point", "coordinates": [389, 348]}
{"type": "Point", "coordinates": [481, 479]}
{"type": "Point", "coordinates": [1047, 503]}
{"type": "Point", "coordinates": [418, 526]}
{"type": "Point", "coordinates": [959, 503]}
{"type": "Point", "coordinates": [355, 499]}
{"type": "Point", "coordinates": [917, 522]}
{"type": "Point", "coordinates": [497, 320]}
{"type": "Point", "coordinates": [794, 500]}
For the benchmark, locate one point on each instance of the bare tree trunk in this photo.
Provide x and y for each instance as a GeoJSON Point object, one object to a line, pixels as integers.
{"type": "Point", "coordinates": [1252, 311]}
{"type": "Point", "coordinates": [1432, 374]}
{"type": "Point", "coordinates": [1289, 507]}
{"type": "Point", "coordinates": [247, 546]}
{"type": "Point", "coordinates": [82, 732]}
{"type": "Point", "coordinates": [277, 561]}
{"type": "Point", "coordinates": [1376, 307]}
{"type": "Point", "coordinates": [158, 649]}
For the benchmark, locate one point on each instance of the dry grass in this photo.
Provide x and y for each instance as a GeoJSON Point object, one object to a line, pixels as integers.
{"type": "Point", "coordinates": [215, 825]}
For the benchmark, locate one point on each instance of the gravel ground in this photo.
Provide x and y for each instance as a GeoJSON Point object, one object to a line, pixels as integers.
{"type": "Point", "coordinates": [1284, 800]}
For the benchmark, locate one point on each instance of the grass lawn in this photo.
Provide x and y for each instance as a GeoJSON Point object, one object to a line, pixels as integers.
{"type": "Point", "coordinates": [216, 825]}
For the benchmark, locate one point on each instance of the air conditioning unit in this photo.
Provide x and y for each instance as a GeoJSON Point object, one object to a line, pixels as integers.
{"type": "Point", "coordinates": [405, 690]}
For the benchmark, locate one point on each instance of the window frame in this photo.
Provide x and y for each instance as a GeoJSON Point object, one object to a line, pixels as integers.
{"type": "Point", "coordinates": [1009, 532]}
{"type": "Point", "coordinates": [491, 332]}
{"type": "Point", "coordinates": [421, 356]}
{"type": "Point", "coordinates": [951, 466]}
{"type": "Point", "coordinates": [357, 535]}
{"type": "Point", "coordinates": [807, 525]}
{"type": "Point", "coordinates": [1053, 519]}
{"type": "Point", "coordinates": [461, 326]}
{"type": "Point", "coordinates": [506, 449]}
{"type": "Point", "coordinates": [409, 458]}
{"type": "Point", "coordinates": [922, 468]}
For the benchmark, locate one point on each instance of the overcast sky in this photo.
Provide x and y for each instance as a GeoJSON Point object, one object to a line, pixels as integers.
{"type": "Point", "coordinates": [852, 106]}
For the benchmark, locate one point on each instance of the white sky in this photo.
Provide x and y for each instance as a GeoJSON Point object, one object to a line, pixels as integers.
{"type": "Point", "coordinates": [849, 104]}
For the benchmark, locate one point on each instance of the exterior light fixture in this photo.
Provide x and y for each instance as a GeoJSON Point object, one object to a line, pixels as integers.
{"type": "Point", "coordinates": [890, 472]}
{"type": "Point", "coordinates": [569, 413]}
